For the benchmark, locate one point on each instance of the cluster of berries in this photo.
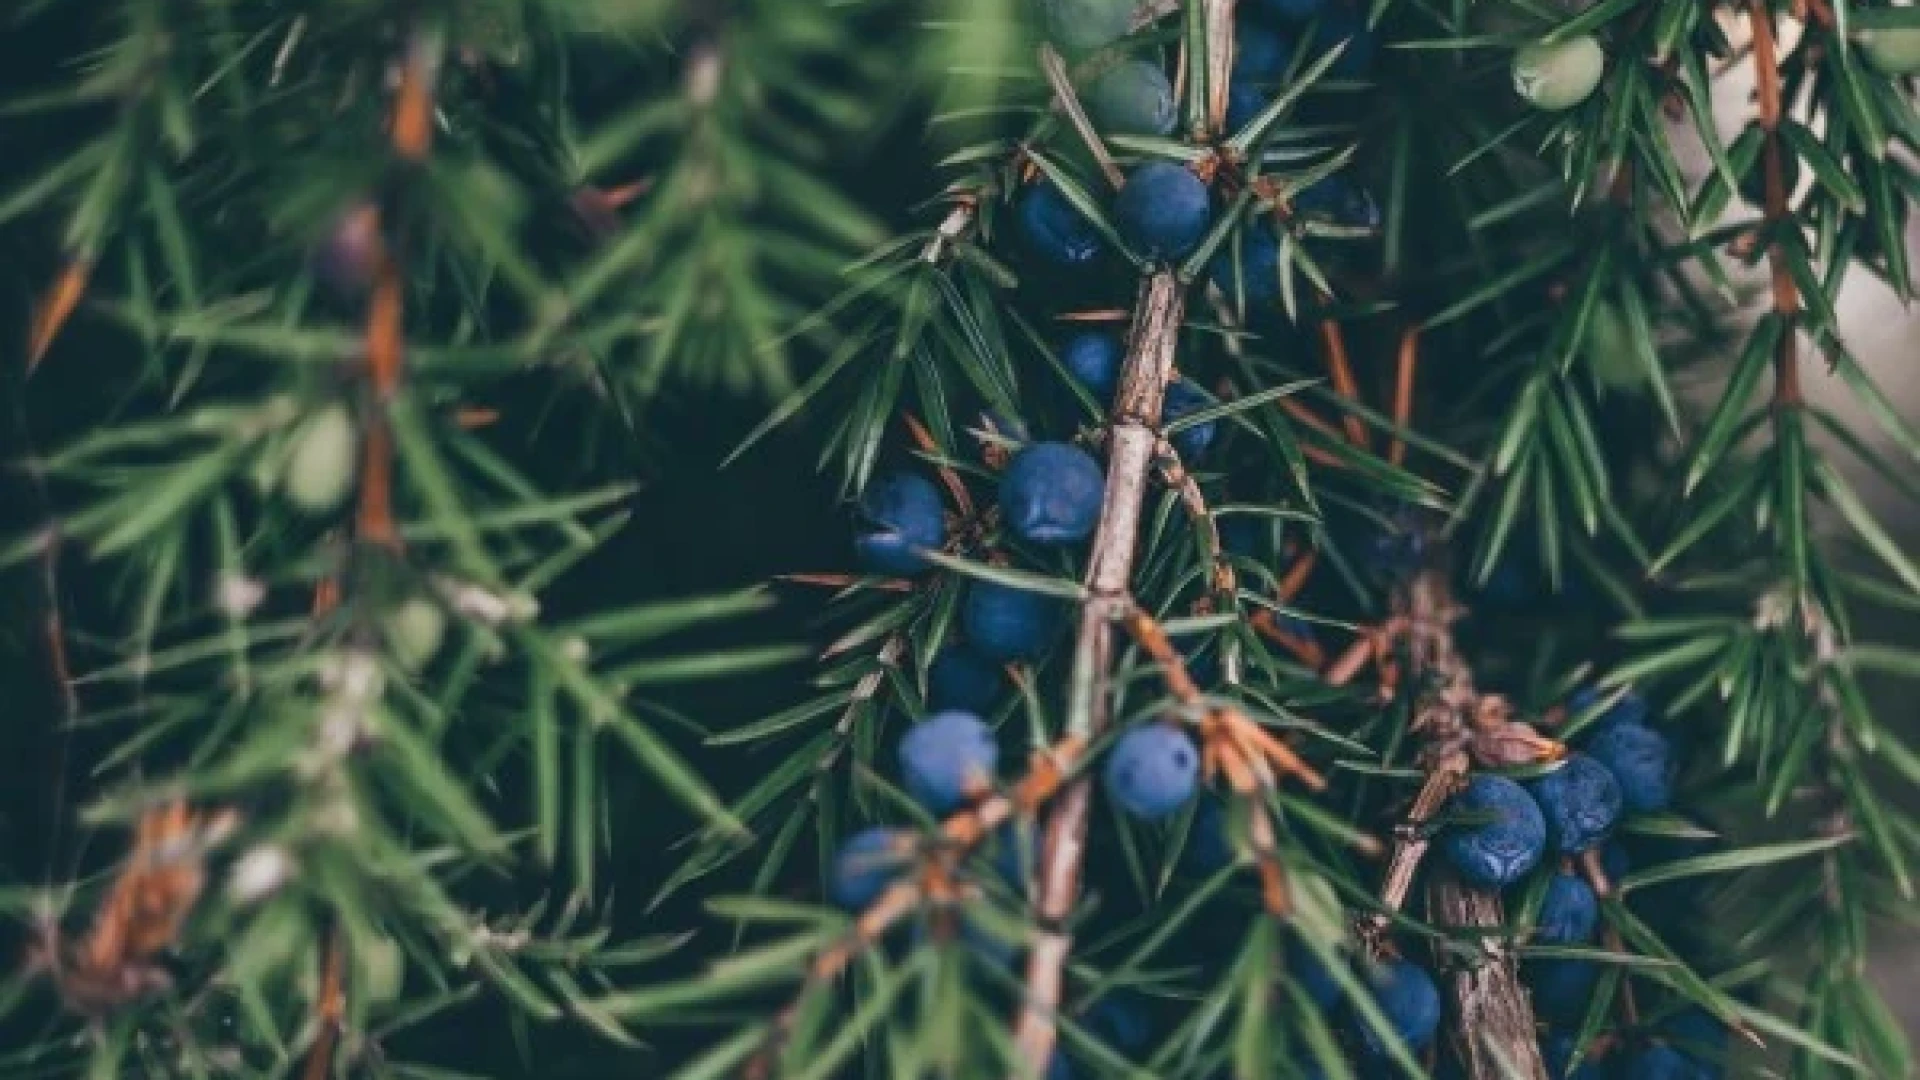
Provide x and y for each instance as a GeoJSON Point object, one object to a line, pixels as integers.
{"type": "Point", "coordinates": [1164, 210]}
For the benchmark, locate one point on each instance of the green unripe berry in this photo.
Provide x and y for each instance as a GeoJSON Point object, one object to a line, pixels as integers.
{"type": "Point", "coordinates": [1608, 346]}
{"type": "Point", "coordinates": [1892, 50]}
{"type": "Point", "coordinates": [1557, 76]}
{"type": "Point", "coordinates": [381, 968]}
{"type": "Point", "coordinates": [320, 467]}
{"type": "Point", "coordinates": [414, 631]}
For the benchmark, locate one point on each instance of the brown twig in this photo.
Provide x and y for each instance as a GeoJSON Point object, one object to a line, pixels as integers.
{"type": "Point", "coordinates": [959, 835]}
{"type": "Point", "coordinates": [331, 1010]}
{"type": "Point", "coordinates": [1786, 295]}
{"type": "Point", "coordinates": [1158, 313]}
{"type": "Point", "coordinates": [1405, 372]}
{"type": "Point", "coordinates": [1334, 342]}
{"type": "Point", "coordinates": [54, 308]}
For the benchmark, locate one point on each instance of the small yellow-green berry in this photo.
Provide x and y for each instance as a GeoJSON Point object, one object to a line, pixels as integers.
{"type": "Point", "coordinates": [414, 631]}
{"type": "Point", "coordinates": [320, 467]}
{"type": "Point", "coordinates": [1609, 349]}
{"type": "Point", "coordinates": [1892, 50]}
{"type": "Point", "coordinates": [1559, 75]}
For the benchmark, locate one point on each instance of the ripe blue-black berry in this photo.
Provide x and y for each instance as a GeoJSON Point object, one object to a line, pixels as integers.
{"type": "Point", "coordinates": [1163, 211]}
{"type": "Point", "coordinates": [1560, 988]}
{"type": "Point", "coordinates": [1122, 1021]}
{"type": "Point", "coordinates": [1133, 97]}
{"type": "Point", "coordinates": [960, 678]}
{"type": "Point", "coordinates": [900, 519]}
{"type": "Point", "coordinates": [1698, 1033]}
{"type": "Point", "coordinates": [1346, 24]}
{"type": "Point", "coordinates": [1093, 358]}
{"type": "Point", "coordinates": [1614, 862]}
{"type": "Point", "coordinates": [1641, 762]}
{"type": "Point", "coordinates": [1054, 230]}
{"type": "Point", "coordinates": [1085, 25]}
{"type": "Point", "coordinates": [1008, 624]}
{"type": "Point", "coordinates": [1658, 1062]}
{"type": "Point", "coordinates": [1495, 853]}
{"type": "Point", "coordinates": [1557, 1048]}
{"type": "Point", "coordinates": [1294, 9]}
{"type": "Point", "coordinates": [1312, 977]}
{"type": "Point", "coordinates": [1409, 1000]}
{"type": "Point", "coordinates": [1152, 771]}
{"type": "Point", "coordinates": [1209, 848]}
{"type": "Point", "coordinates": [1252, 273]}
{"type": "Point", "coordinates": [1050, 494]}
{"type": "Point", "coordinates": [1245, 102]}
{"type": "Point", "coordinates": [1244, 535]}
{"type": "Point", "coordinates": [1183, 398]}
{"type": "Point", "coordinates": [1340, 201]}
{"type": "Point", "coordinates": [947, 757]}
{"type": "Point", "coordinates": [1570, 912]}
{"type": "Point", "coordinates": [866, 864]}
{"type": "Point", "coordinates": [1581, 801]}
{"type": "Point", "coordinates": [1260, 53]}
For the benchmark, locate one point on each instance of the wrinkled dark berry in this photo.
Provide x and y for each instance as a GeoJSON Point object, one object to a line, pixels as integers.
{"type": "Point", "coordinates": [1410, 1001]}
{"type": "Point", "coordinates": [1054, 230]}
{"type": "Point", "coordinates": [961, 678]}
{"type": "Point", "coordinates": [1163, 211]}
{"type": "Point", "coordinates": [1252, 273]}
{"type": "Point", "coordinates": [1570, 912]}
{"type": "Point", "coordinates": [1581, 802]}
{"type": "Point", "coordinates": [1183, 399]}
{"type": "Point", "coordinates": [1050, 494]}
{"type": "Point", "coordinates": [1641, 762]}
{"type": "Point", "coordinates": [901, 518]}
{"type": "Point", "coordinates": [1495, 853]}
{"type": "Point", "coordinates": [1094, 358]}
{"type": "Point", "coordinates": [1008, 624]}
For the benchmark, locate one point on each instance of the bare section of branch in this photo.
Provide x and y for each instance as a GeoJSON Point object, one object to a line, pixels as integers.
{"type": "Point", "coordinates": [1158, 313]}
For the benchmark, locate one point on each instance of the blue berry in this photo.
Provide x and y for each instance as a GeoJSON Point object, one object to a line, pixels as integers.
{"type": "Point", "coordinates": [1698, 1033]}
{"type": "Point", "coordinates": [1345, 24]}
{"type": "Point", "coordinates": [1614, 862]}
{"type": "Point", "coordinates": [1054, 230]}
{"type": "Point", "coordinates": [1569, 914]}
{"type": "Point", "coordinates": [1557, 1048]}
{"type": "Point", "coordinates": [865, 865]}
{"type": "Point", "coordinates": [1163, 211]}
{"type": "Point", "coordinates": [1260, 54]}
{"type": "Point", "coordinates": [960, 678]}
{"type": "Point", "coordinates": [1183, 398]}
{"type": "Point", "coordinates": [1209, 848]}
{"type": "Point", "coordinates": [1410, 1001]}
{"type": "Point", "coordinates": [1152, 771]}
{"type": "Point", "coordinates": [1561, 988]}
{"type": "Point", "coordinates": [1254, 274]}
{"type": "Point", "coordinates": [901, 517]}
{"type": "Point", "coordinates": [1641, 762]}
{"type": "Point", "coordinates": [1050, 494]}
{"type": "Point", "coordinates": [1244, 535]}
{"type": "Point", "coordinates": [1340, 201]}
{"type": "Point", "coordinates": [1008, 624]}
{"type": "Point", "coordinates": [1294, 9]}
{"type": "Point", "coordinates": [1495, 853]}
{"type": "Point", "coordinates": [1581, 801]}
{"type": "Point", "coordinates": [1121, 1020]}
{"type": "Point", "coordinates": [1093, 358]}
{"type": "Point", "coordinates": [947, 757]}
{"type": "Point", "coordinates": [1085, 25]}
{"type": "Point", "coordinates": [1133, 97]}
{"type": "Point", "coordinates": [1245, 103]}
{"type": "Point", "coordinates": [1313, 977]}
{"type": "Point", "coordinates": [1662, 1063]}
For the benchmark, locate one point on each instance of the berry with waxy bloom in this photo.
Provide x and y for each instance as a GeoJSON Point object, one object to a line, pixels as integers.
{"type": "Point", "coordinates": [1054, 229]}
{"type": "Point", "coordinates": [1152, 771]}
{"type": "Point", "coordinates": [1497, 852]}
{"type": "Point", "coordinates": [1009, 624]}
{"type": "Point", "coordinates": [1641, 761]}
{"type": "Point", "coordinates": [865, 865]}
{"type": "Point", "coordinates": [1093, 358]}
{"type": "Point", "coordinates": [948, 758]}
{"type": "Point", "coordinates": [1163, 211]}
{"type": "Point", "coordinates": [901, 519]}
{"type": "Point", "coordinates": [1407, 996]}
{"type": "Point", "coordinates": [1133, 97]}
{"type": "Point", "coordinates": [961, 678]}
{"type": "Point", "coordinates": [1184, 399]}
{"type": "Point", "coordinates": [1570, 912]}
{"type": "Point", "coordinates": [1050, 494]}
{"type": "Point", "coordinates": [1581, 802]}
